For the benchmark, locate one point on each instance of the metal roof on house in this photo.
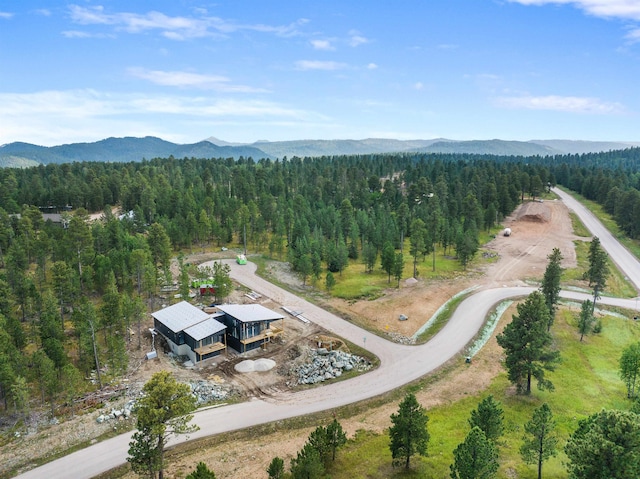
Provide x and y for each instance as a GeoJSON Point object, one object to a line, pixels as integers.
{"type": "Point", "coordinates": [248, 313]}
{"type": "Point", "coordinates": [180, 316]}
{"type": "Point", "coordinates": [205, 328]}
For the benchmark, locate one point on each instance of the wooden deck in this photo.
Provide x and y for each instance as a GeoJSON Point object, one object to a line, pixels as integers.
{"type": "Point", "coordinates": [267, 334]}
{"type": "Point", "coordinates": [210, 348]}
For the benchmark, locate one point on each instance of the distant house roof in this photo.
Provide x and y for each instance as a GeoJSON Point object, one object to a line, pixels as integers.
{"type": "Point", "coordinates": [180, 316]}
{"type": "Point", "coordinates": [53, 217]}
{"type": "Point", "coordinates": [206, 328]}
{"type": "Point", "coordinates": [249, 312]}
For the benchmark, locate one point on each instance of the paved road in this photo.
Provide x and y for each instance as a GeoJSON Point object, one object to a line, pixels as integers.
{"type": "Point", "coordinates": [399, 365]}
{"type": "Point", "coordinates": [618, 253]}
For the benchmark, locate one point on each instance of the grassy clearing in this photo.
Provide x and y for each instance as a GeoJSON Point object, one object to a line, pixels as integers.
{"type": "Point", "coordinates": [354, 284]}
{"type": "Point", "coordinates": [586, 381]}
{"type": "Point", "coordinates": [441, 318]}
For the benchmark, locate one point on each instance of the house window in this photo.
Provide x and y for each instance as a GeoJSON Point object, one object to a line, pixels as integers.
{"type": "Point", "coordinates": [235, 330]}
{"type": "Point", "coordinates": [253, 329]}
{"type": "Point", "coordinates": [208, 340]}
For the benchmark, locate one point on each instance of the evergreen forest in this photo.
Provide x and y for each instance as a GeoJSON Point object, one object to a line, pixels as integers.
{"type": "Point", "coordinates": [72, 293]}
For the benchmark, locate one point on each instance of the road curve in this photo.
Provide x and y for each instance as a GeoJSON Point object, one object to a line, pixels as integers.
{"type": "Point", "coordinates": [399, 365]}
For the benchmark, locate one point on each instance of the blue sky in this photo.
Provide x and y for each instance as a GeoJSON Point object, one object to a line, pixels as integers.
{"type": "Point", "coordinates": [246, 70]}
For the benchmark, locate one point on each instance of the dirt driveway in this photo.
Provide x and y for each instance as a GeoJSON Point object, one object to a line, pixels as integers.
{"type": "Point", "coordinates": [536, 228]}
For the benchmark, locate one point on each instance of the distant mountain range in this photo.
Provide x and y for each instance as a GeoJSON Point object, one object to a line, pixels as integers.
{"type": "Point", "coordinates": [118, 150]}
{"type": "Point", "coordinates": [136, 149]}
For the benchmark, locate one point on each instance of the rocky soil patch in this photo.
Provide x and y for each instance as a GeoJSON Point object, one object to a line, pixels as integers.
{"type": "Point", "coordinates": [205, 392]}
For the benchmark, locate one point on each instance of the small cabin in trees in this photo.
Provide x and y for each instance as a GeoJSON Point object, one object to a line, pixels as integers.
{"type": "Point", "coordinates": [190, 331]}
{"type": "Point", "coordinates": [207, 289]}
{"type": "Point", "coordinates": [250, 326]}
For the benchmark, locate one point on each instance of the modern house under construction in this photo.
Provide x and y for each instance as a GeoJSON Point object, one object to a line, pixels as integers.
{"type": "Point", "coordinates": [192, 332]}
{"type": "Point", "coordinates": [250, 326]}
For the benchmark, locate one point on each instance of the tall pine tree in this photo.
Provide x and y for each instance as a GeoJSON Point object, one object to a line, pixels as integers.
{"type": "Point", "coordinates": [527, 345]}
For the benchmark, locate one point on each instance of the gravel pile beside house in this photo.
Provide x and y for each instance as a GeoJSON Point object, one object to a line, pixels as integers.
{"type": "Point", "coordinates": [205, 392]}
{"type": "Point", "coordinates": [323, 365]}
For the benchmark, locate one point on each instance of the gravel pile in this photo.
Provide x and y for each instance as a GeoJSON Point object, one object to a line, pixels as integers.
{"type": "Point", "coordinates": [323, 365]}
{"type": "Point", "coordinates": [399, 338]}
{"type": "Point", "coordinates": [117, 414]}
{"type": "Point", "coordinates": [205, 392]}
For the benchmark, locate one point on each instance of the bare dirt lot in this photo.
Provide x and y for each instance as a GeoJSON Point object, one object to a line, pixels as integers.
{"type": "Point", "coordinates": [536, 227]}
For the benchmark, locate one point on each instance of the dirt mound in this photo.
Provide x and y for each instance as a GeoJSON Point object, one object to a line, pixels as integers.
{"type": "Point", "coordinates": [249, 366]}
{"type": "Point", "coordinates": [534, 212]}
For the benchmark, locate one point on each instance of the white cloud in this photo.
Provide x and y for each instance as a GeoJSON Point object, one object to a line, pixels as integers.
{"type": "Point", "coordinates": [633, 36]}
{"type": "Point", "coordinates": [319, 65]}
{"type": "Point", "coordinates": [624, 9]}
{"type": "Point", "coordinates": [191, 80]}
{"type": "Point", "coordinates": [570, 104]}
{"type": "Point", "coordinates": [418, 86]}
{"type": "Point", "coordinates": [44, 12]}
{"type": "Point", "coordinates": [356, 39]}
{"type": "Point", "coordinates": [322, 45]}
{"type": "Point", "coordinates": [204, 106]}
{"type": "Point", "coordinates": [55, 117]}
{"type": "Point", "coordinates": [174, 27]}
{"type": "Point", "coordinates": [372, 66]}
{"type": "Point", "coordinates": [6, 15]}
{"type": "Point", "coordinates": [82, 34]}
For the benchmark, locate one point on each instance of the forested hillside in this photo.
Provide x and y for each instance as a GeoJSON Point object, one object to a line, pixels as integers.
{"type": "Point", "coordinates": [70, 296]}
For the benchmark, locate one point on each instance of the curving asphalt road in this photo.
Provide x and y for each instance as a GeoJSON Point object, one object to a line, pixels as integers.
{"type": "Point", "coordinates": [399, 364]}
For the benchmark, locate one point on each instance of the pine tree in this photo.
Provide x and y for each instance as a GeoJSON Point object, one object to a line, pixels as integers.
{"type": "Point", "coordinates": [475, 458]}
{"type": "Point", "coordinates": [540, 439]}
{"type": "Point", "coordinates": [598, 271]}
{"type": "Point", "coordinates": [387, 259]}
{"type": "Point", "coordinates": [160, 248]}
{"type": "Point", "coordinates": [369, 256]}
{"type": "Point", "coordinates": [527, 343]}
{"type": "Point", "coordinates": [319, 440]}
{"type": "Point", "coordinates": [336, 438]}
{"type": "Point", "coordinates": [586, 319]}
{"type": "Point", "coordinates": [222, 280]}
{"type": "Point", "coordinates": [163, 410]}
{"type": "Point", "coordinates": [606, 445]}
{"type": "Point", "coordinates": [398, 267]}
{"type": "Point", "coordinates": [201, 472]}
{"type": "Point", "coordinates": [307, 464]}
{"type": "Point", "coordinates": [489, 418]}
{"type": "Point", "coordinates": [417, 242]}
{"type": "Point", "coordinates": [330, 281]}
{"type": "Point", "coordinates": [630, 368]}
{"type": "Point", "coordinates": [550, 286]}
{"type": "Point", "coordinates": [408, 434]}
{"type": "Point", "coordinates": [276, 468]}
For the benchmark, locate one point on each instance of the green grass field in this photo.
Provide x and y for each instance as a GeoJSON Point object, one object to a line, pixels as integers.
{"type": "Point", "coordinates": [354, 284]}
{"type": "Point", "coordinates": [585, 381]}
